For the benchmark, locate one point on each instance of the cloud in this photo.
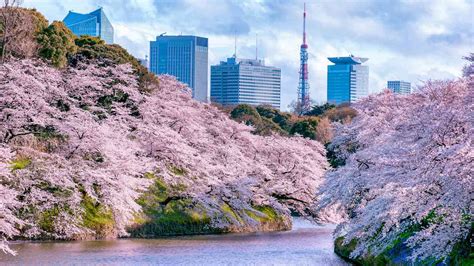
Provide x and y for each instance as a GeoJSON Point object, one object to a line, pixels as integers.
{"type": "Point", "coordinates": [403, 39]}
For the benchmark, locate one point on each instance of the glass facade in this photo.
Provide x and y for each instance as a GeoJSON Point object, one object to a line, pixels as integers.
{"type": "Point", "coordinates": [94, 24]}
{"type": "Point", "coordinates": [348, 79]}
{"type": "Point", "coordinates": [186, 58]}
{"type": "Point", "coordinates": [248, 81]}
{"type": "Point", "coordinates": [400, 87]}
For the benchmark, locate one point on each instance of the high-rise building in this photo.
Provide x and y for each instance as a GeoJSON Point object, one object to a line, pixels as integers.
{"type": "Point", "coordinates": [248, 81]}
{"type": "Point", "coordinates": [94, 24]}
{"type": "Point", "coordinates": [400, 87]}
{"type": "Point", "coordinates": [184, 57]}
{"type": "Point", "coordinates": [348, 79]}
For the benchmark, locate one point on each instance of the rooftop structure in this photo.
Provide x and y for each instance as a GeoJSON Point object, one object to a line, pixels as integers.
{"type": "Point", "coordinates": [348, 79]}
{"type": "Point", "coordinates": [94, 24]}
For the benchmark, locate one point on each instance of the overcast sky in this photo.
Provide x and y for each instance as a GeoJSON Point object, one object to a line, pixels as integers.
{"type": "Point", "coordinates": [407, 39]}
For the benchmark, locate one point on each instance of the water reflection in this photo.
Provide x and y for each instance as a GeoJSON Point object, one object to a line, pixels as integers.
{"type": "Point", "coordinates": [306, 244]}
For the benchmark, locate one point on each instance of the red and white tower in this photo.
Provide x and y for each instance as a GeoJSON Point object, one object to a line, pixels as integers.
{"type": "Point", "coordinates": [304, 101]}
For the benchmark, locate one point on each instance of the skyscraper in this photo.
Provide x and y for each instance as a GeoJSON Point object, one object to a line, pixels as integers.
{"type": "Point", "coordinates": [249, 81]}
{"type": "Point", "coordinates": [184, 57]}
{"type": "Point", "coordinates": [348, 79]}
{"type": "Point", "coordinates": [400, 87]}
{"type": "Point", "coordinates": [94, 24]}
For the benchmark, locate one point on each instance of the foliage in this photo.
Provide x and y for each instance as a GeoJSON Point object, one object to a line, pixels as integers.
{"type": "Point", "coordinates": [56, 44]}
{"type": "Point", "coordinates": [407, 168]}
{"type": "Point", "coordinates": [241, 111]}
{"type": "Point", "coordinates": [324, 131]}
{"type": "Point", "coordinates": [20, 163]}
{"type": "Point", "coordinates": [316, 125]}
{"type": "Point", "coordinates": [96, 216]}
{"type": "Point", "coordinates": [263, 125]}
{"type": "Point", "coordinates": [305, 127]}
{"type": "Point", "coordinates": [318, 110]}
{"type": "Point", "coordinates": [343, 113]}
{"type": "Point", "coordinates": [282, 119]}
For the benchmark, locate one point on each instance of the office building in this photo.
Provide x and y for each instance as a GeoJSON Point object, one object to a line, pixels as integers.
{"type": "Point", "coordinates": [94, 24]}
{"type": "Point", "coordinates": [399, 87]}
{"type": "Point", "coordinates": [348, 79]}
{"type": "Point", "coordinates": [184, 57]}
{"type": "Point", "coordinates": [249, 81]}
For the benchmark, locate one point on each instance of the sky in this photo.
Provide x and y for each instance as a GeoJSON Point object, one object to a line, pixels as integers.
{"type": "Point", "coordinates": [411, 40]}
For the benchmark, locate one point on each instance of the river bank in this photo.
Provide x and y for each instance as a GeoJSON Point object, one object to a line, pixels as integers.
{"type": "Point", "coordinates": [305, 244]}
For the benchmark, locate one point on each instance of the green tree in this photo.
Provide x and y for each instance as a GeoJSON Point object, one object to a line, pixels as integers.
{"type": "Point", "coordinates": [282, 119]}
{"type": "Point", "coordinates": [57, 44]}
{"type": "Point", "coordinates": [318, 110]}
{"type": "Point", "coordinates": [305, 127]}
{"type": "Point", "coordinates": [247, 114]}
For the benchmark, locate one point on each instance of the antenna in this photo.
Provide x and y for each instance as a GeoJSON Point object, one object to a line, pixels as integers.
{"type": "Point", "coordinates": [304, 24]}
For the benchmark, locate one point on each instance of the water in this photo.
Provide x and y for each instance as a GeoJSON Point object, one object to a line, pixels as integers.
{"type": "Point", "coordinates": [306, 244]}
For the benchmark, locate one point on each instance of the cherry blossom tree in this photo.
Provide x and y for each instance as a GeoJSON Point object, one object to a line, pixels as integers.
{"type": "Point", "coordinates": [408, 170]}
{"type": "Point", "coordinates": [86, 138]}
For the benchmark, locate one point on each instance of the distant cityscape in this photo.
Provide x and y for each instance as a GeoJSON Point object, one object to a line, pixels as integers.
{"type": "Point", "coordinates": [237, 80]}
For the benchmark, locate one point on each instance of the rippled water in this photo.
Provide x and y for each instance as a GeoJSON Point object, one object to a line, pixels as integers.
{"type": "Point", "coordinates": [306, 244]}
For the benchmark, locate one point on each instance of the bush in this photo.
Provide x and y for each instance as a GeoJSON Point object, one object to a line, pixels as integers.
{"type": "Point", "coordinates": [282, 119]}
{"type": "Point", "coordinates": [342, 113]}
{"type": "Point", "coordinates": [306, 128]}
{"type": "Point", "coordinates": [318, 110]}
{"type": "Point", "coordinates": [57, 44]}
{"type": "Point", "coordinates": [247, 114]}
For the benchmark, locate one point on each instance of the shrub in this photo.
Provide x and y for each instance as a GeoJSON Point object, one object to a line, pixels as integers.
{"type": "Point", "coordinates": [305, 128]}
{"type": "Point", "coordinates": [57, 44]}
{"type": "Point", "coordinates": [318, 110]}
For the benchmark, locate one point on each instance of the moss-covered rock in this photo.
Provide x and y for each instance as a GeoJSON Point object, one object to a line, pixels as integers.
{"type": "Point", "coordinates": [398, 253]}
{"type": "Point", "coordinates": [166, 213]}
{"type": "Point", "coordinates": [97, 217]}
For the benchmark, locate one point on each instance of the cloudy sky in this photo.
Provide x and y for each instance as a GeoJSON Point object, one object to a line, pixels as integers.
{"type": "Point", "coordinates": [410, 40]}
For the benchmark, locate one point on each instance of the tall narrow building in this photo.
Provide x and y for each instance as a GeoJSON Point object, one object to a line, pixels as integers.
{"type": "Point", "coordinates": [94, 24]}
{"type": "Point", "coordinates": [304, 100]}
{"type": "Point", "coordinates": [348, 79]}
{"type": "Point", "coordinates": [399, 86]}
{"type": "Point", "coordinates": [186, 58]}
{"type": "Point", "coordinates": [248, 81]}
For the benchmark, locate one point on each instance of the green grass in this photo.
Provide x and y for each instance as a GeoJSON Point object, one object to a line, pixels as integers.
{"type": "Point", "coordinates": [47, 217]}
{"type": "Point", "coordinates": [96, 216]}
{"type": "Point", "coordinates": [230, 212]}
{"type": "Point", "coordinates": [156, 193]}
{"type": "Point", "coordinates": [269, 214]}
{"type": "Point", "coordinates": [20, 163]}
{"type": "Point", "coordinates": [176, 170]}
